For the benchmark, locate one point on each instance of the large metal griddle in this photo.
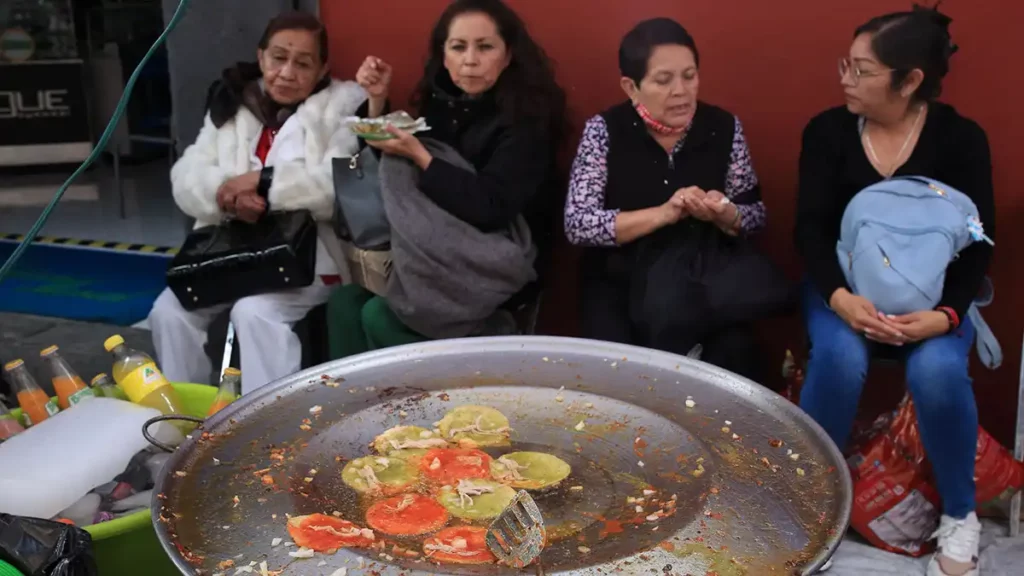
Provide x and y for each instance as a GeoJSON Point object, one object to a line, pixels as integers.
{"type": "Point", "coordinates": [750, 512]}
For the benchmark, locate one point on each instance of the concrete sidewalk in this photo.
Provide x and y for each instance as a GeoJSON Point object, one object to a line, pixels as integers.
{"type": "Point", "coordinates": [81, 344]}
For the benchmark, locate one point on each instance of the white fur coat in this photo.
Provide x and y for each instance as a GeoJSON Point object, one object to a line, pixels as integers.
{"type": "Point", "coordinates": [301, 156]}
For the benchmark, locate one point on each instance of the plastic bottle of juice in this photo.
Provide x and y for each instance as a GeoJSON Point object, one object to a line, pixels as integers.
{"type": "Point", "coordinates": [9, 426]}
{"type": "Point", "coordinates": [103, 386]}
{"type": "Point", "coordinates": [230, 385]}
{"type": "Point", "coordinates": [68, 385]}
{"type": "Point", "coordinates": [136, 373]}
{"type": "Point", "coordinates": [35, 404]}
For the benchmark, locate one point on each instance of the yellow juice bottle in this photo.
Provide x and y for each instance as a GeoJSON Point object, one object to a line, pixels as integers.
{"type": "Point", "coordinates": [140, 379]}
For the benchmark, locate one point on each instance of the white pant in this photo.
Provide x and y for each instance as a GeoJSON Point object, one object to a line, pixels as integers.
{"type": "Point", "coordinates": [263, 328]}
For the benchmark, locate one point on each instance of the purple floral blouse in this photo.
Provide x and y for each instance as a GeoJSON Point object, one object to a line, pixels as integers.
{"type": "Point", "coordinates": [589, 223]}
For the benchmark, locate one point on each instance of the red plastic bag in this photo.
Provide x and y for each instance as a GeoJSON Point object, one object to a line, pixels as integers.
{"type": "Point", "coordinates": [896, 506]}
{"type": "Point", "coordinates": [997, 475]}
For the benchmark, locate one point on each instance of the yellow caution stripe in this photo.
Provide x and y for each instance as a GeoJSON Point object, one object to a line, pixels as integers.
{"type": "Point", "coordinates": [118, 246]}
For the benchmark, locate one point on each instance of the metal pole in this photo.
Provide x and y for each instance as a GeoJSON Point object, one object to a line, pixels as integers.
{"type": "Point", "coordinates": [229, 346]}
{"type": "Point", "coordinates": [1018, 448]}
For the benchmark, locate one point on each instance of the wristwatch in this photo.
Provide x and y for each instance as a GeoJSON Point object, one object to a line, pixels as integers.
{"type": "Point", "coordinates": [263, 188]}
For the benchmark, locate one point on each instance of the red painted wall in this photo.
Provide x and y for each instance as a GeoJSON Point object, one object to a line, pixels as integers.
{"type": "Point", "coordinates": [774, 65]}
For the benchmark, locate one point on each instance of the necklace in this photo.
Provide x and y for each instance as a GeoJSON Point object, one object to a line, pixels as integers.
{"type": "Point", "coordinates": [896, 162]}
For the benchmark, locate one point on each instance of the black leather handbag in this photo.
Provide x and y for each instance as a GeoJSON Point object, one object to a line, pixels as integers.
{"type": "Point", "coordinates": [222, 264]}
{"type": "Point", "coordinates": [358, 206]}
{"type": "Point", "coordinates": [692, 279]}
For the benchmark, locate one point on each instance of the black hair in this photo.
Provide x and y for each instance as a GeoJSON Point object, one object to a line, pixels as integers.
{"type": "Point", "coordinates": [918, 39]}
{"type": "Point", "coordinates": [638, 44]}
{"type": "Point", "coordinates": [527, 89]}
{"type": "Point", "coordinates": [297, 20]}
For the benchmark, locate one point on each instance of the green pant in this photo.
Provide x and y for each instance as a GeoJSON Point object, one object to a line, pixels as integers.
{"type": "Point", "coordinates": [359, 321]}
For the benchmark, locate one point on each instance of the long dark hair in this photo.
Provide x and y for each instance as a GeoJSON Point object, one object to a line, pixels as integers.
{"type": "Point", "coordinates": [917, 39]}
{"type": "Point", "coordinates": [527, 90]}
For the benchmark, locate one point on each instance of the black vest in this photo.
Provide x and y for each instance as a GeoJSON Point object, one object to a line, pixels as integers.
{"type": "Point", "coordinates": [640, 172]}
{"type": "Point", "coordinates": [641, 175]}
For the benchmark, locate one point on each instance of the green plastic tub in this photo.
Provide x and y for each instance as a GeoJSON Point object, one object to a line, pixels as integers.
{"type": "Point", "coordinates": [128, 546]}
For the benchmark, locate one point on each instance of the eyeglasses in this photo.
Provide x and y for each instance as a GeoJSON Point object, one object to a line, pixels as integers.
{"type": "Point", "coordinates": [848, 67]}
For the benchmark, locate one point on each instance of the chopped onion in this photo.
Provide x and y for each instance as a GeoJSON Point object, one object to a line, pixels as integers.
{"type": "Point", "coordinates": [302, 553]}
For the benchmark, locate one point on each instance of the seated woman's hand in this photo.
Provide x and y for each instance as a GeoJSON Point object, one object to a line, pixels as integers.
{"type": "Point", "coordinates": [919, 326]}
{"type": "Point", "coordinates": [723, 210]}
{"type": "Point", "coordinates": [250, 208]}
{"type": "Point", "coordinates": [862, 316]}
{"type": "Point", "coordinates": [405, 145]}
{"type": "Point", "coordinates": [374, 76]}
{"type": "Point", "coordinates": [694, 199]}
{"type": "Point", "coordinates": [672, 211]}
{"type": "Point", "coordinates": [232, 188]}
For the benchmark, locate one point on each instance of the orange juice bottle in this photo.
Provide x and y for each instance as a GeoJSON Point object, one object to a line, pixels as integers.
{"type": "Point", "coordinates": [35, 404]}
{"type": "Point", "coordinates": [68, 385]}
{"type": "Point", "coordinates": [104, 387]}
{"type": "Point", "coordinates": [9, 425]}
{"type": "Point", "coordinates": [136, 373]}
{"type": "Point", "coordinates": [230, 385]}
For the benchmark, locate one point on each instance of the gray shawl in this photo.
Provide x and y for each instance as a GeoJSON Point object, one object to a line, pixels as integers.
{"type": "Point", "coordinates": [447, 277]}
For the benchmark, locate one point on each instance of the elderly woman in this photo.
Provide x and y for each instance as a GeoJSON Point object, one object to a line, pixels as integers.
{"type": "Point", "coordinates": [488, 92]}
{"type": "Point", "coordinates": [892, 125]}
{"type": "Point", "coordinates": [266, 144]}
{"type": "Point", "coordinates": [658, 169]}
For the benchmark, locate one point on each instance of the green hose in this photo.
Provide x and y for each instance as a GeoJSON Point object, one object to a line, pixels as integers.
{"type": "Point", "coordinates": [101, 145]}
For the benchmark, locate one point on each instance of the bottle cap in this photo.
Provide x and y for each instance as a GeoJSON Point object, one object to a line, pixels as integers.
{"type": "Point", "coordinates": [13, 364]}
{"type": "Point", "coordinates": [232, 372]}
{"type": "Point", "coordinates": [113, 342]}
{"type": "Point", "coordinates": [48, 351]}
{"type": "Point", "coordinates": [99, 378]}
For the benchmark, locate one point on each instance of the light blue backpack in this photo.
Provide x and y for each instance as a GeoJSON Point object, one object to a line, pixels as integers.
{"type": "Point", "coordinates": [896, 239]}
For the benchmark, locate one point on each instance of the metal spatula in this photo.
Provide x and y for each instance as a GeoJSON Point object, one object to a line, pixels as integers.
{"type": "Point", "coordinates": [517, 536]}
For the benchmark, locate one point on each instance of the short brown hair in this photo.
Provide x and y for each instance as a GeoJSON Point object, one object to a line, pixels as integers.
{"type": "Point", "coordinates": [296, 20]}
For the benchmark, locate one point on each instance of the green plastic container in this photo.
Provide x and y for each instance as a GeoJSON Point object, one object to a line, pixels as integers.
{"type": "Point", "coordinates": [128, 546]}
{"type": "Point", "coordinates": [8, 570]}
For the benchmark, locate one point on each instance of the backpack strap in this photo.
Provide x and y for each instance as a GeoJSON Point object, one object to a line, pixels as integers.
{"type": "Point", "coordinates": [986, 343]}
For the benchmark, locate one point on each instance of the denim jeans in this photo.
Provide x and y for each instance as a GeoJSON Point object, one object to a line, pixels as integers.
{"type": "Point", "coordinates": [936, 376]}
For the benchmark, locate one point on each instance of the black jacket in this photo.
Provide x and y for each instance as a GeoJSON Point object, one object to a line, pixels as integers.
{"type": "Point", "coordinates": [514, 162]}
{"type": "Point", "coordinates": [834, 167]}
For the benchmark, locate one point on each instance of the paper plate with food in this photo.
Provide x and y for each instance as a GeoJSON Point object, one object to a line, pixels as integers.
{"type": "Point", "coordinates": [376, 128]}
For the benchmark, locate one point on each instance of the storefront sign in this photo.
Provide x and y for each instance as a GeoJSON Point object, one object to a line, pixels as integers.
{"type": "Point", "coordinates": [44, 116]}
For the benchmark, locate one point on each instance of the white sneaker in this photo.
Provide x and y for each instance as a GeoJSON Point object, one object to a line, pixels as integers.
{"type": "Point", "coordinates": [957, 554]}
